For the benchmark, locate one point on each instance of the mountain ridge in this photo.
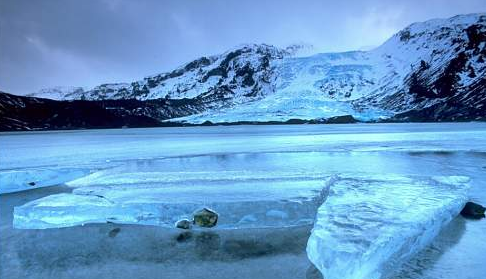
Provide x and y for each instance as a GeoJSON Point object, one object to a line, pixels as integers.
{"type": "Point", "coordinates": [431, 71]}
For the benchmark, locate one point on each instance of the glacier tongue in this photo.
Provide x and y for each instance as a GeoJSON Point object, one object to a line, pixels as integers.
{"type": "Point", "coordinates": [370, 225]}
{"type": "Point", "coordinates": [240, 202]}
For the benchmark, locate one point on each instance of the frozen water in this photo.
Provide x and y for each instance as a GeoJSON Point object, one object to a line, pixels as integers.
{"type": "Point", "coordinates": [239, 203]}
{"type": "Point", "coordinates": [102, 148]}
{"type": "Point", "coordinates": [370, 225]}
{"type": "Point", "coordinates": [120, 177]}
{"type": "Point", "coordinates": [19, 180]}
{"type": "Point", "coordinates": [240, 155]}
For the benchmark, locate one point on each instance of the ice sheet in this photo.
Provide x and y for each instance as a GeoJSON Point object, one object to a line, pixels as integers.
{"type": "Point", "coordinates": [103, 148]}
{"type": "Point", "coordinates": [20, 180]}
{"type": "Point", "coordinates": [120, 176]}
{"type": "Point", "coordinates": [239, 203]}
{"type": "Point", "coordinates": [369, 225]}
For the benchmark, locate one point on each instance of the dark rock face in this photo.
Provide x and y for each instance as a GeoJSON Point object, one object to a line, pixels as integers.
{"type": "Point", "coordinates": [344, 119]}
{"type": "Point", "coordinates": [205, 218]}
{"type": "Point", "coordinates": [449, 82]}
{"type": "Point", "coordinates": [405, 35]}
{"type": "Point", "coordinates": [459, 107]}
{"type": "Point", "coordinates": [26, 113]}
{"type": "Point", "coordinates": [473, 211]}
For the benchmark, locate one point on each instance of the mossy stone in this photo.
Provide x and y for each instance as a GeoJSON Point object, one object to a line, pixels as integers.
{"type": "Point", "coordinates": [206, 218]}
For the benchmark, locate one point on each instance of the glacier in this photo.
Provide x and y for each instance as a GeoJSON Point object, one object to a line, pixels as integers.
{"type": "Point", "coordinates": [370, 225]}
{"type": "Point", "coordinates": [428, 71]}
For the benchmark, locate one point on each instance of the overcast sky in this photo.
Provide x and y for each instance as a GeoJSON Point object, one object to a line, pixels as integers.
{"type": "Point", "coordinates": [46, 43]}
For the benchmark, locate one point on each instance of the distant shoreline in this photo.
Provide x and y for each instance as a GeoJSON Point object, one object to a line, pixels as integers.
{"type": "Point", "coordinates": [295, 121]}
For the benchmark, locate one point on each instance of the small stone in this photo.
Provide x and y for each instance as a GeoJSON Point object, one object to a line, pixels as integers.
{"type": "Point", "coordinates": [205, 218]}
{"type": "Point", "coordinates": [31, 183]}
{"type": "Point", "coordinates": [184, 224]}
{"type": "Point", "coordinates": [473, 210]}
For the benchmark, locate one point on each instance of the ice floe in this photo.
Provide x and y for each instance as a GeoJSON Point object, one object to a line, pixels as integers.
{"type": "Point", "coordinates": [240, 204]}
{"type": "Point", "coordinates": [369, 225]}
{"type": "Point", "coordinates": [365, 226]}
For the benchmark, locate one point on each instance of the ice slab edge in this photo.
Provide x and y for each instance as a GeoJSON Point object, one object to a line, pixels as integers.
{"type": "Point", "coordinates": [272, 204]}
{"type": "Point", "coordinates": [369, 226]}
{"type": "Point", "coordinates": [20, 180]}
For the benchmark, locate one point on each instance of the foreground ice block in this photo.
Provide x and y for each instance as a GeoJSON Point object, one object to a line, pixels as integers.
{"type": "Point", "coordinates": [370, 225]}
{"type": "Point", "coordinates": [239, 203]}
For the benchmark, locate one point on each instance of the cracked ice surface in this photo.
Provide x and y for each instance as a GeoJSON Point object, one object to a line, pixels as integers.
{"type": "Point", "coordinates": [20, 180]}
{"type": "Point", "coordinates": [241, 203]}
{"type": "Point", "coordinates": [370, 225]}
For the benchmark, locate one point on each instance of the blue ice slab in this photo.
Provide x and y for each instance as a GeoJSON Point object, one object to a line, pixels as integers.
{"type": "Point", "coordinates": [369, 225]}
{"type": "Point", "coordinates": [240, 203]}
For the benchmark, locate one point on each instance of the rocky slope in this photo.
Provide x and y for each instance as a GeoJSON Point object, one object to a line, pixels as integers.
{"type": "Point", "coordinates": [29, 113]}
{"type": "Point", "coordinates": [429, 71]}
{"type": "Point", "coordinates": [241, 74]}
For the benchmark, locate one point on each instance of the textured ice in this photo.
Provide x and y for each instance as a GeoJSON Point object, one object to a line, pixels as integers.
{"type": "Point", "coordinates": [19, 180]}
{"type": "Point", "coordinates": [240, 203]}
{"type": "Point", "coordinates": [93, 148]}
{"type": "Point", "coordinates": [370, 225]}
{"type": "Point", "coordinates": [120, 176]}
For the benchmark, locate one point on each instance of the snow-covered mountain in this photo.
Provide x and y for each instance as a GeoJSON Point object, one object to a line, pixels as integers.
{"type": "Point", "coordinates": [433, 70]}
{"type": "Point", "coordinates": [245, 72]}
{"type": "Point", "coordinates": [60, 93]}
{"type": "Point", "coordinates": [434, 67]}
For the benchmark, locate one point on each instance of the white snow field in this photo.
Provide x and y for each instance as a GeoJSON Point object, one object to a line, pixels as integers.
{"type": "Point", "coordinates": [370, 225]}
{"type": "Point", "coordinates": [392, 189]}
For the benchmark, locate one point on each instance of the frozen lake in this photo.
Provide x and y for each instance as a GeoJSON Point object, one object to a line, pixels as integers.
{"type": "Point", "coordinates": [260, 156]}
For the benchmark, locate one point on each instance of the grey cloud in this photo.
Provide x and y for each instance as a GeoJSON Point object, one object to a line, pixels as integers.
{"type": "Point", "coordinates": [70, 42]}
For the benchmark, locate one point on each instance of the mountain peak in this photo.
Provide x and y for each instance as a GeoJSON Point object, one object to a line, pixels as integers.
{"type": "Point", "coordinates": [427, 66]}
